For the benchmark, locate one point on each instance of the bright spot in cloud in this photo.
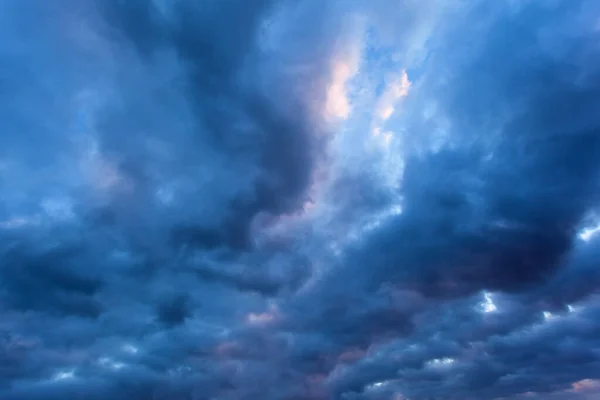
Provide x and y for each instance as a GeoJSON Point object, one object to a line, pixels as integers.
{"type": "Point", "coordinates": [376, 221]}
{"type": "Point", "coordinates": [107, 362]}
{"type": "Point", "coordinates": [396, 90]}
{"type": "Point", "coordinates": [344, 67]}
{"type": "Point", "coordinates": [63, 375]}
{"type": "Point", "coordinates": [586, 385]}
{"type": "Point", "coordinates": [338, 104]}
{"type": "Point", "coordinates": [488, 305]}
{"type": "Point", "coordinates": [262, 318]}
{"type": "Point", "coordinates": [588, 233]}
{"type": "Point", "coordinates": [377, 385]}
{"type": "Point", "coordinates": [337, 100]}
{"type": "Point", "coordinates": [440, 362]}
{"type": "Point", "coordinates": [572, 308]}
{"type": "Point", "coordinates": [386, 112]}
{"type": "Point", "coordinates": [401, 87]}
{"type": "Point", "coordinates": [131, 349]}
{"type": "Point", "coordinates": [19, 222]}
{"type": "Point", "coordinates": [386, 106]}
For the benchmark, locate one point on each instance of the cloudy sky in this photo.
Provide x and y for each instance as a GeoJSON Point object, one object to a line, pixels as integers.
{"type": "Point", "coordinates": [299, 199]}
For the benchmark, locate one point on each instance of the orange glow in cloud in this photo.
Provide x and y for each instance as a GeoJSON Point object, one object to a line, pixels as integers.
{"type": "Point", "coordinates": [352, 355]}
{"type": "Point", "coordinates": [344, 66]}
{"type": "Point", "coordinates": [264, 317]}
{"type": "Point", "coordinates": [586, 385]}
{"type": "Point", "coordinates": [338, 105]}
{"type": "Point", "coordinates": [396, 90]}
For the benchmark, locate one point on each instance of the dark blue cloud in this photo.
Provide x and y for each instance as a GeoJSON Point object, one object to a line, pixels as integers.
{"type": "Point", "coordinates": [299, 200]}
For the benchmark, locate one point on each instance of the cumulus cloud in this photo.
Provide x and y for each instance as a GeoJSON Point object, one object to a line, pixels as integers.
{"type": "Point", "coordinates": [299, 200]}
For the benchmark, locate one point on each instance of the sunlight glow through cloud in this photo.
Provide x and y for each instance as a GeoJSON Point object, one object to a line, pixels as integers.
{"type": "Point", "coordinates": [588, 233]}
{"type": "Point", "coordinates": [64, 375]}
{"type": "Point", "coordinates": [343, 68]}
{"type": "Point", "coordinates": [441, 362]}
{"type": "Point", "coordinates": [488, 305]}
{"type": "Point", "coordinates": [131, 349]}
{"type": "Point", "coordinates": [108, 362]}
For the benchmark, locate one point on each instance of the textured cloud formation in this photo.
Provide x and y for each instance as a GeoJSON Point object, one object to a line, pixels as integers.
{"type": "Point", "coordinates": [277, 199]}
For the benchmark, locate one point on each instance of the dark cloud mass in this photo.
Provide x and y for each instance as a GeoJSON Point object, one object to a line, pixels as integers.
{"type": "Point", "coordinates": [300, 200]}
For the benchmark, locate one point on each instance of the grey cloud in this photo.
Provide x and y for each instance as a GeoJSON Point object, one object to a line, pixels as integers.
{"type": "Point", "coordinates": [156, 163]}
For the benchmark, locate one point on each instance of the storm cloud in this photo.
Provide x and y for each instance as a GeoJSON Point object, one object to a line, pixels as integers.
{"type": "Point", "coordinates": [277, 199]}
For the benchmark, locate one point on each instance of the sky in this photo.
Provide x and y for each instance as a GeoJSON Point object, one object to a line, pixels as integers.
{"type": "Point", "coordinates": [299, 200]}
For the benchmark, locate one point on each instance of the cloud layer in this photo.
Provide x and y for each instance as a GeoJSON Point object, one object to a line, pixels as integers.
{"type": "Point", "coordinates": [299, 200]}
